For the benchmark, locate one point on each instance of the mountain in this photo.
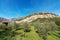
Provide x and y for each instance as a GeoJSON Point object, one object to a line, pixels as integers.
{"type": "Point", "coordinates": [3, 19]}
{"type": "Point", "coordinates": [12, 19]}
{"type": "Point", "coordinates": [7, 20]}
{"type": "Point", "coordinates": [35, 16]}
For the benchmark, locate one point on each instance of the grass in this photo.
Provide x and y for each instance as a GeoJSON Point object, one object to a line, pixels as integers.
{"type": "Point", "coordinates": [50, 38]}
{"type": "Point", "coordinates": [32, 35]}
{"type": "Point", "coordinates": [53, 35]}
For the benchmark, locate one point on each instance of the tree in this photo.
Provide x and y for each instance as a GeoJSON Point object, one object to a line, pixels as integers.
{"type": "Point", "coordinates": [26, 26]}
{"type": "Point", "coordinates": [45, 27]}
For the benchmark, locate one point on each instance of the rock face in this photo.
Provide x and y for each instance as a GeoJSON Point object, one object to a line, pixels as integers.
{"type": "Point", "coordinates": [36, 16]}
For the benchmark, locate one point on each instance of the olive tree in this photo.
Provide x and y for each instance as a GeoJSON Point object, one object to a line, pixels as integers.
{"type": "Point", "coordinates": [26, 26]}
{"type": "Point", "coordinates": [45, 27]}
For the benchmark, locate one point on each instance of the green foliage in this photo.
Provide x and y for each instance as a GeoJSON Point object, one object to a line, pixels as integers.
{"type": "Point", "coordinates": [0, 26]}
{"type": "Point", "coordinates": [27, 26]}
{"type": "Point", "coordinates": [57, 21]}
{"type": "Point", "coordinates": [44, 28]}
{"type": "Point", "coordinates": [26, 31]}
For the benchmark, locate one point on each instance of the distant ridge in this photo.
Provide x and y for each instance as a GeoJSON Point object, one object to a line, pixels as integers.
{"type": "Point", "coordinates": [7, 20]}
{"type": "Point", "coordinates": [3, 19]}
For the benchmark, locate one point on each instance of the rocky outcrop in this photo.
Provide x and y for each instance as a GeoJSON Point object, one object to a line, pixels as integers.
{"type": "Point", "coordinates": [34, 17]}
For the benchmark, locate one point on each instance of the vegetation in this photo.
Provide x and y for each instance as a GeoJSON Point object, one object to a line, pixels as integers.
{"type": "Point", "coordinates": [40, 29]}
{"type": "Point", "coordinates": [44, 28]}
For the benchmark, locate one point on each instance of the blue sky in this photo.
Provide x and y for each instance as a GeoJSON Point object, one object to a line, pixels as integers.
{"type": "Point", "coordinates": [21, 8]}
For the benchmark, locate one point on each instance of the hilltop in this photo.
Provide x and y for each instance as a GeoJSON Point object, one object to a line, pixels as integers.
{"type": "Point", "coordinates": [36, 16]}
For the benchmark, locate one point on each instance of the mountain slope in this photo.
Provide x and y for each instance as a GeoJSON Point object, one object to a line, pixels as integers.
{"type": "Point", "coordinates": [38, 15]}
